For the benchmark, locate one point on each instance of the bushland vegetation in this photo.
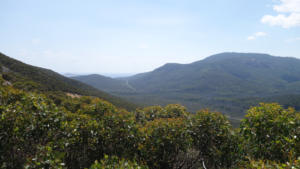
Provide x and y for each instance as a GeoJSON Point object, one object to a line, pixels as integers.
{"type": "Point", "coordinates": [57, 131]}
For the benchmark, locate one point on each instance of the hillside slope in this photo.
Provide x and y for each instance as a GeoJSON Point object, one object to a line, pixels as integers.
{"type": "Point", "coordinates": [35, 78]}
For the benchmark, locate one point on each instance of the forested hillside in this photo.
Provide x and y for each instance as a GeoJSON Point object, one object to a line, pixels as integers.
{"type": "Point", "coordinates": [87, 132]}
{"type": "Point", "coordinates": [225, 74]}
{"type": "Point", "coordinates": [226, 82]}
{"type": "Point", "coordinates": [33, 78]}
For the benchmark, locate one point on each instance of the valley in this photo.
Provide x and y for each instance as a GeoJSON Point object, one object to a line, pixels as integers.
{"type": "Point", "coordinates": [227, 82]}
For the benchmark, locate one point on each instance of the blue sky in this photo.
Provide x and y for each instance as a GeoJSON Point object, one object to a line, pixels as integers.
{"type": "Point", "coordinates": [131, 36]}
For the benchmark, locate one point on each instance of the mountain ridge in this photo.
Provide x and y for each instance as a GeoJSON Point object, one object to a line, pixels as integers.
{"type": "Point", "coordinates": [216, 81]}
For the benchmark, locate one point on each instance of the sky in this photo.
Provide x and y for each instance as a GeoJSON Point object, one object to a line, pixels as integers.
{"type": "Point", "coordinates": [133, 36]}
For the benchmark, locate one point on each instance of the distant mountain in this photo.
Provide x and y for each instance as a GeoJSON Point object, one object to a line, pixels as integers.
{"type": "Point", "coordinates": [40, 79]}
{"type": "Point", "coordinates": [226, 74]}
{"type": "Point", "coordinates": [227, 82]}
{"type": "Point", "coordinates": [104, 83]}
{"type": "Point", "coordinates": [118, 75]}
{"type": "Point", "coordinates": [71, 74]}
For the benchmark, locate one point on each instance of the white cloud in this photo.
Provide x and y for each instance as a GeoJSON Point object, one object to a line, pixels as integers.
{"type": "Point", "coordinates": [288, 6]}
{"type": "Point", "coordinates": [256, 35]}
{"type": "Point", "coordinates": [288, 14]}
{"type": "Point", "coordinates": [282, 20]}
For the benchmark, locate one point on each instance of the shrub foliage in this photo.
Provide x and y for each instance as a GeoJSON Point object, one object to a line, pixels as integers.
{"type": "Point", "coordinates": [57, 131]}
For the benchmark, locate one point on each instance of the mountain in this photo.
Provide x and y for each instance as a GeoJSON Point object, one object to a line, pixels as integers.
{"type": "Point", "coordinates": [226, 82]}
{"type": "Point", "coordinates": [30, 77]}
{"type": "Point", "coordinates": [226, 74]}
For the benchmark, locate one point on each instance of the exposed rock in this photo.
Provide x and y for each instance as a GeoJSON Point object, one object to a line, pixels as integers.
{"type": "Point", "coordinates": [73, 95]}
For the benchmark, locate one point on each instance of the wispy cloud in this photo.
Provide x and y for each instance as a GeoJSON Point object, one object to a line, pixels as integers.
{"type": "Point", "coordinates": [288, 14]}
{"type": "Point", "coordinates": [256, 35]}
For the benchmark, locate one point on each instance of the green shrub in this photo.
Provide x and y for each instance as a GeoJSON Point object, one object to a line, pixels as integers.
{"type": "Point", "coordinates": [26, 120]}
{"type": "Point", "coordinates": [57, 131]}
{"type": "Point", "coordinates": [114, 162]}
{"type": "Point", "coordinates": [162, 141]}
{"type": "Point", "coordinates": [214, 139]}
{"type": "Point", "coordinates": [81, 141]}
{"type": "Point", "coordinates": [95, 107]}
{"type": "Point", "coordinates": [271, 132]}
{"type": "Point", "coordinates": [120, 134]}
{"type": "Point", "coordinates": [266, 164]}
{"type": "Point", "coordinates": [46, 157]}
{"type": "Point", "coordinates": [156, 112]}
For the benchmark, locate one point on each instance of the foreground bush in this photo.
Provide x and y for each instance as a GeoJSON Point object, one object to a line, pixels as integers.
{"type": "Point", "coordinates": [162, 140]}
{"type": "Point", "coordinates": [26, 120]}
{"type": "Point", "coordinates": [45, 157]}
{"type": "Point", "coordinates": [156, 112]}
{"type": "Point", "coordinates": [271, 132]}
{"type": "Point", "coordinates": [114, 162]}
{"type": "Point", "coordinates": [214, 139]}
{"type": "Point", "coordinates": [80, 141]}
{"type": "Point", "coordinates": [260, 164]}
{"type": "Point", "coordinates": [36, 133]}
{"type": "Point", "coordinates": [120, 134]}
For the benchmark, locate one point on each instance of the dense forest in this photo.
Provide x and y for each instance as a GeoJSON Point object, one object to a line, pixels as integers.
{"type": "Point", "coordinates": [40, 131]}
